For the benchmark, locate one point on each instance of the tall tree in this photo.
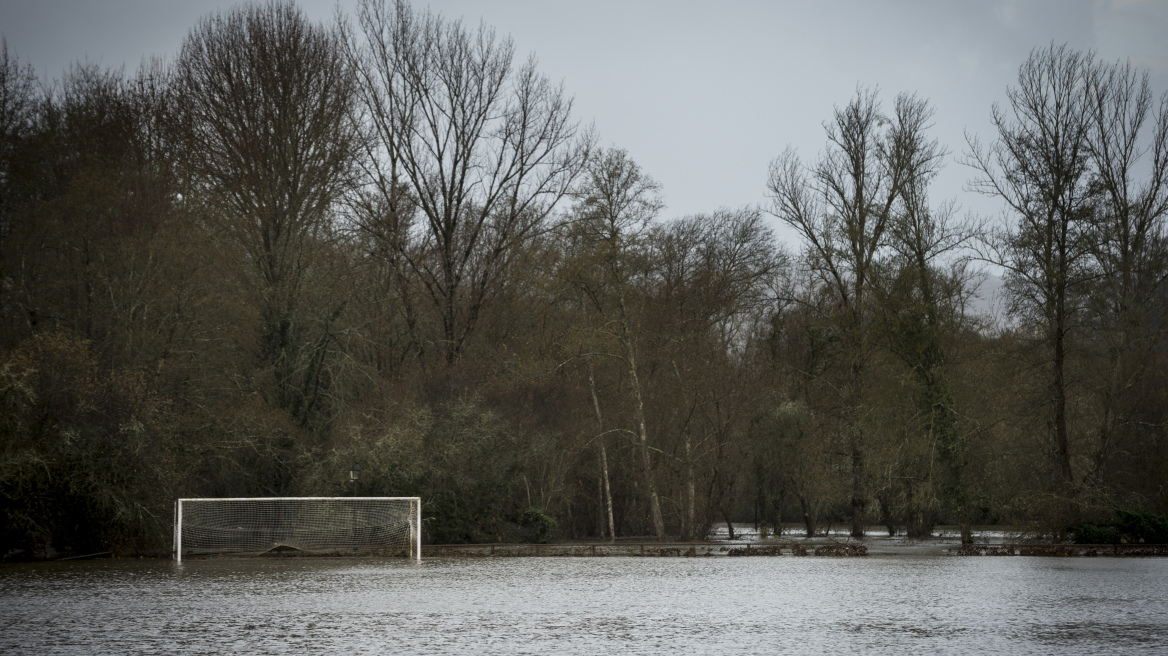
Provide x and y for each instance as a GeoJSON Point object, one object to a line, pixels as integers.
{"type": "Point", "coordinates": [93, 219]}
{"type": "Point", "coordinates": [19, 98]}
{"type": "Point", "coordinates": [617, 203]}
{"type": "Point", "coordinates": [19, 101]}
{"type": "Point", "coordinates": [468, 156]}
{"type": "Point", "coordinates": [1039, 165]}
{"type": "Point", "coordinates": [1128, 242]}
{"type": "Point", "coordinates": [922, 306]}
{"type": "Point", "coordinates": [713, 281]}
{"type": "Point", "coordinates": [268, 104]}
{"type": "Point", "coordinates": [842, 207]}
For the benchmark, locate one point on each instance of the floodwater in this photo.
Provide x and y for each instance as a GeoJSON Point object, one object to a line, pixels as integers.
{"type": "Point", "coordinates": [613, 605]}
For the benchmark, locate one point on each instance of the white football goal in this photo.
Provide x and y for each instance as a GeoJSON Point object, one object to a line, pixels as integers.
{"type": "Point", "coordinates": [327, 526]}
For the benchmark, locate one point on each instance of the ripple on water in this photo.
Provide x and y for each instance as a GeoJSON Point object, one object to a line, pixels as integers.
{"type": "Point", "coordinates": [586, 606]}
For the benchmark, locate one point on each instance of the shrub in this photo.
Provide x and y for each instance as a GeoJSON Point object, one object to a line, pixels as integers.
{"type": "Point", "coordinates": [540, 526]}
{"type": "Point", "coordinates": [1130, 526]}
{"type": "Point", "coordinates": [1143, 526]}
{"type": "Point", "coordinates": [1089, 533]}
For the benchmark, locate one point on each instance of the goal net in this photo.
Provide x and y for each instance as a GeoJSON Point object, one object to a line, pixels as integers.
{"type": "Point", "coordinates": [308, 525]}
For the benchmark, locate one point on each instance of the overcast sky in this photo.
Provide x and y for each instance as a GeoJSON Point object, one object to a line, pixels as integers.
{"type": "Point", "coordinates": [703, 95]}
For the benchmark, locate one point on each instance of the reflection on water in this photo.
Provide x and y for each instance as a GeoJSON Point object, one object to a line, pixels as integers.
{"type": "Point", "coordinates": [586, 606]}
{"type": "Point", "coordinates": [748, 532]}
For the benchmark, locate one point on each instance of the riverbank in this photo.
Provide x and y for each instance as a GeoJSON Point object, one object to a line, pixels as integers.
{"type": "Point", "coordinates": [748, 542]}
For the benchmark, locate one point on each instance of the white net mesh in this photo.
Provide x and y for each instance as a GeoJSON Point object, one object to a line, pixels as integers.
{"type": "Point", "coordinates": [322, 526]}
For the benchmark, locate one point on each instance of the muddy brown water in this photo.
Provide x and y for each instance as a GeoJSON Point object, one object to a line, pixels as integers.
{"type": "Point", "coordinates": [879, 604]}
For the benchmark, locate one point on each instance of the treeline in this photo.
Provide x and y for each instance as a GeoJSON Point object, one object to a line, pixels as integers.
{"type": "Point", "coordinates": [389, 241]}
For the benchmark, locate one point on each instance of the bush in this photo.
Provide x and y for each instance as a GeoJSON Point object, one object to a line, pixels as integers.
{"type": "Point", "coordinates": [458, 456]}
{"type": "Point", "coordinates": [1089, 533]}
{"type": "Point", "coordinates": [1143, 527]}
{"type": "Point", "coordinates": [1130, 526]}
{"type": "Point", "coordinates": [539, 525]}
{"type": "Point", "coordinates": [83, 454]}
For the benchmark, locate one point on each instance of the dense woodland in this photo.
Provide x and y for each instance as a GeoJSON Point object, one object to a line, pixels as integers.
{"type": "Point", "coordinates": [388, 240]}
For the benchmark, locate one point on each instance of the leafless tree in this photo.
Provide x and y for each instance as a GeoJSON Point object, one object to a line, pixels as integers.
{"type": "Point", "coordinates": [468, 156]}
{"type": "Point", "coordinates": [714, 279]}
{"type": "Point", "coordinates": [842, 207]}
{"type": "Point", "coordinates": [18, 100]}
{"type": "Point", "coordinates": [1127, 236]}
{"type": "Point", "coordinates": [267, 103]}
{"type": "Point", "coordinates": [616, 203]}
{"type": "Point", "coordinates": [1039, 164]}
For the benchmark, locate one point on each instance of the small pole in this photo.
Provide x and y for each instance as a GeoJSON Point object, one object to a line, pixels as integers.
{"type": "Point", "coordinates": [178, 534]}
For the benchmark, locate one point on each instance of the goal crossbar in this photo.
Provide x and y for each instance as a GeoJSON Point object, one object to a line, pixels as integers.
{"type": "Point", "coordinates": [245, 526]}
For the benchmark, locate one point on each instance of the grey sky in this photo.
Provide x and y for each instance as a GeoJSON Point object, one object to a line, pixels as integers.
{"type": "Point", "coordinates": [703, 95]}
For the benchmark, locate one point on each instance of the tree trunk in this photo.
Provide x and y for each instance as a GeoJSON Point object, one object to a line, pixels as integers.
{"type": "Point", "coordinates": [808, 521]}
{"type": "Point", "coordinates": [1110, 402]}
{"type": "Point", "coordinates": [600, 500]}
{"type": "Point", "coordinates": [857, 485]}
{"type": "Point", "coordinates": [607, 493]}
{"type": "Point", "coordinates": [886, 517]}
{"type": "Point", "coordinates": [777, 525]}
{"type": "Point", "coordinates": [603, 453]}
{"type": "Point", "coordinates": [689, 492]}
{"type": "Point", "coordinates": [1060, 406]}
{"type": "Point", "coordinates": [855, 400]}
{"type": "Point", "coordinates": [639, 416]}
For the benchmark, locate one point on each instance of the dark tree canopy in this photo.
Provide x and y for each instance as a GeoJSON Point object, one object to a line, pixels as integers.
{"type": "Point", "coordinates": [389, 240]}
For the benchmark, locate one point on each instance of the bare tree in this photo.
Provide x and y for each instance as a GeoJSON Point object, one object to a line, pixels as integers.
{"type": "Point", "coordinates": [268, 103]}
{"type": "Point", "coordinates": [922, 298]}
{"type": "Point", "coordinates": [713, 280]}
{"type": "Point", "coordinates": [1127, 237]}
{"type": "Point", "coordinates": [468, 156]}
{"type": "Point", "coordinates": [18, 103]}
{"type": "Point", "coordinates": [842, 207]}
{"type": "Point", "coordinates": [1039, 164]}
{"type": "Point", "coordinates": [617, 202]}
{"type": "Point", "coordinates": [605, 482]}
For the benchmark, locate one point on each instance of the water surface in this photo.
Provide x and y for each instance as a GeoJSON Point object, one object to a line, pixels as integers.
{"type": "Point", "coordinates": [587, 606]}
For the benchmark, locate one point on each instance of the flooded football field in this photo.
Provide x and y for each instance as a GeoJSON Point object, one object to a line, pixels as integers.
{"type": "Point", "coordinates": [628, 605]}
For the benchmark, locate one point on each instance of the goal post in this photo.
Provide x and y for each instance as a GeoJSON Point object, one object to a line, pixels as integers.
{"type": "Point", "coordinates": [325, 526]}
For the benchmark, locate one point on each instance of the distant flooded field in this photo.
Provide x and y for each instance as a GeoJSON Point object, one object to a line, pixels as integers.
{"type": "Point", "coordinates": [716, 605]}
